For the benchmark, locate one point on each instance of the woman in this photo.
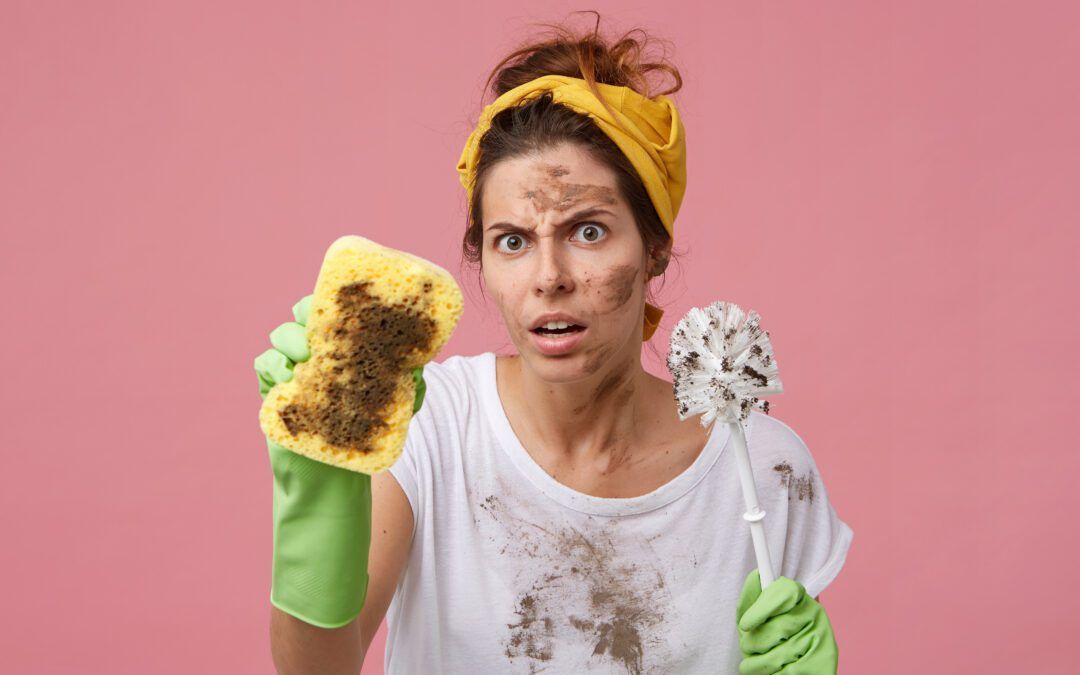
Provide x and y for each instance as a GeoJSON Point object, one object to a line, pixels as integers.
{"type": "Point", "coordinates": [550, 511]}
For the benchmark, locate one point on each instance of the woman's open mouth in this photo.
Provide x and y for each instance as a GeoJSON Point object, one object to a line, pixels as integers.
{"type": "Point", "coordinates": [556, 341]}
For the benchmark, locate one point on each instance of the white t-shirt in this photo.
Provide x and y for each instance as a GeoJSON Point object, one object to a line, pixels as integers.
{"type": "Point", "coordinates": [513, 572]}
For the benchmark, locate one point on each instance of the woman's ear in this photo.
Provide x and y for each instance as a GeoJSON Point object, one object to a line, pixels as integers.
{"type": "Point", "coordinates": [659, 259]}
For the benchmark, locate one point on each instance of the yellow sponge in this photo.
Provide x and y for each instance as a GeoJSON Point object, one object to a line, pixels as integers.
{"type": "Point", "coordinates": [377, 314]}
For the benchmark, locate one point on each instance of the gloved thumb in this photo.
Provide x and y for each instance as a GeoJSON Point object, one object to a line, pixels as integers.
{"type": "Point", "coordinates": [751, 590]}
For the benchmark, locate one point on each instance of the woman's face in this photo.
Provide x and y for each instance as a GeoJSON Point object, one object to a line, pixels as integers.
{"type": "Point", "coordinates": [558, 237]}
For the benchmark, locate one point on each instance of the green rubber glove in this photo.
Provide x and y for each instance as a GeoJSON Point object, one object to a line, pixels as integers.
{"type": "Point", "coordinates": [322, 513]}
{"type": "Point", "coordinates": [783, 628]}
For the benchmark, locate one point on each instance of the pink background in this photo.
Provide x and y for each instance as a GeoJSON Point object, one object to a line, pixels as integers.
{"type": "Point", "coordinates": [891, 185]}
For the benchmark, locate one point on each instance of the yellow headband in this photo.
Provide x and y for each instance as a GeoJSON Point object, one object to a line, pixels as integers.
{"type": "Point", "coordinates": [651, 136]}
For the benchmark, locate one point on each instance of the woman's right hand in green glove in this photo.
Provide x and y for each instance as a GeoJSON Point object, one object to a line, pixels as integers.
{"type": "Point", "coordinates": [322, 513]}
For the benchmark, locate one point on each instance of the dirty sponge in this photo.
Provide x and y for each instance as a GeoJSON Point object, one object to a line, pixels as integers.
{"type": "Point", "coordinates": [376, 314]}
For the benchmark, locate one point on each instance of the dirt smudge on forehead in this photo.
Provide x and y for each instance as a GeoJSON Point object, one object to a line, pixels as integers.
{"type": "Point", "coordinates": [550, 192]}
{"type": "Point", "coordinates": [583, 589]}
{"type": "Point", "coordinates": [802, 486]}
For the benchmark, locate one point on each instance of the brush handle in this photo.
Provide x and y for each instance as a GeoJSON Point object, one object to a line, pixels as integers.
{"type": "Point", "coordinates": [754, 515]}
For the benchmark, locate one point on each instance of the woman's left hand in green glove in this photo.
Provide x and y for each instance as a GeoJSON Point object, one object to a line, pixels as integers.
{"type": "Point", "coordinates": [783, 628]}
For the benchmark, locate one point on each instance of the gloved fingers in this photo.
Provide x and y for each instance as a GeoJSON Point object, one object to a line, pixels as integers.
{"type": "Point", "coordinates": [302, 309]}
{"type": "Point", "coordinates": [784, 659]}
{"type": "Point", "coordinates": [798, 656]}
{"type": "Point", "coordinates": [265, 385]}
{"type": "Point", "coordinates": [291, 340]}
{"type": "Point", "coordinates": [421, 388]}
{"type": "Point", "coordinates": [750, 591]}
{"type": "Point", "coordinates": [780, 596]}
{"type": "Point", "coordinates": [757, 664]}
{"type": "Point", "coordinates": [824, 652]}
{"type": "Point", "coordinates": [273, 366]}
{"type": "Point", "coordinates": [773, 632]}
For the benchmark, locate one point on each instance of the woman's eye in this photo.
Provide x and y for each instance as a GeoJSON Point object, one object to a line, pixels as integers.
{"type": "Point", "coordinates": [516, 239]}
{"type": "Point", "coordinates": [514, 243]}
{"type": "Point", "coordinates": [593, 231]}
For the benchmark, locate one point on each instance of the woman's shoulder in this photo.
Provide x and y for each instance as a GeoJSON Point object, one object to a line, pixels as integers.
{"type": "Point", "coordinates": [453, 381]}
{"type": "Point", "coordinates": [459, 370]}
{"type": "Point", "coordinates": [775, 444]}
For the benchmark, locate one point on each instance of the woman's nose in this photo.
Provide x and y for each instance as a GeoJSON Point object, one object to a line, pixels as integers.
{"type": "Point", "coordinates": [552, 274]}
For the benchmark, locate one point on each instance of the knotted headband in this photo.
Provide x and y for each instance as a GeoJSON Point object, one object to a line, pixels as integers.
{"type": "Point", "coordinates": [648, 131]}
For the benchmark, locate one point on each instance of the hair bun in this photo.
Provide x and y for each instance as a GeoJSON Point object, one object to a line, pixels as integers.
{"type": "Point", "coordinates": [621, 62]}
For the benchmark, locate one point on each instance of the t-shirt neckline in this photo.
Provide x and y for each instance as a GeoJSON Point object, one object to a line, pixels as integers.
{"type": "Point", "coordinates": [579, 501]}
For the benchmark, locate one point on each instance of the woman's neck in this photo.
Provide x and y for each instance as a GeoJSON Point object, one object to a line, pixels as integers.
{"type": "Point", "coordinates": [597, 420]}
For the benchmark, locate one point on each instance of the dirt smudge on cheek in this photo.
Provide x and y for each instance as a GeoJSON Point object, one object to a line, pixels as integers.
{"type": "Point", "coordinates": [619, 286]}
{"type": "Point", "coordinates": [597, 355]}
{"type": "Point", "coordinates": [802, 486]}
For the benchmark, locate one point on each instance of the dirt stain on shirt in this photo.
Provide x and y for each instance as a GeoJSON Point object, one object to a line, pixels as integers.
{"type": "Point", "coordinates": [802, 486]}
{"type": "Point", "coordinates": [532, 635]}
{"type": "Point", "coordinates": [582, 589]}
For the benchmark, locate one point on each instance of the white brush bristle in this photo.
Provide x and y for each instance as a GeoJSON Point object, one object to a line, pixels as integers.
{"type": "Point", "coordinates": [722, 364]}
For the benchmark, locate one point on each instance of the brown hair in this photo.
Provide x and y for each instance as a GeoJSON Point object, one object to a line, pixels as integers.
{"type": "Point", "coordinates": [541, 123]}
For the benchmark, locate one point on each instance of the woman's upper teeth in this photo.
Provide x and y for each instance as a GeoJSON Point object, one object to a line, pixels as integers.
{"type": "Point", "coordinates": [552, 325]}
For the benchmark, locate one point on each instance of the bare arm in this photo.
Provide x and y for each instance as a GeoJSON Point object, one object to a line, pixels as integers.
{"type": "Point", "coordinates": [300, 648]}
{"type": "Point", "coordinates": [391, 541]}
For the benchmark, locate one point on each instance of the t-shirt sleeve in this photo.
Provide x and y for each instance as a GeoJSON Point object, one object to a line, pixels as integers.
{"type": "Point", "coordinates": [816, 541]}
{"type": "Point", "coordinates": [415, 467]}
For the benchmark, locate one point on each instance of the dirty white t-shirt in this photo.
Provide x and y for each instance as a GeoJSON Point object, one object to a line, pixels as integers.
{"type": "Point", "coordinates": [513, 572]}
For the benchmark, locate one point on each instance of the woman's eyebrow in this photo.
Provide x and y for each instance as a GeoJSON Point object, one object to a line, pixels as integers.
{"type": "Point", "coordinates": [507, 227]}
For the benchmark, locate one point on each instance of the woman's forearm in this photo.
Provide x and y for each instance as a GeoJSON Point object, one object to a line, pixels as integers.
{"type": "Point", "coordinates": [299, 648]}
